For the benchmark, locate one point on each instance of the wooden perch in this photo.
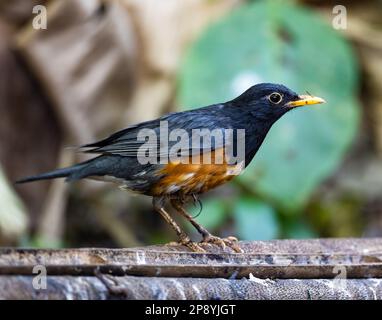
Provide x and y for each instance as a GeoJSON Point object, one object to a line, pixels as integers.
{"type": "Point", "coordinates": [280, 269]}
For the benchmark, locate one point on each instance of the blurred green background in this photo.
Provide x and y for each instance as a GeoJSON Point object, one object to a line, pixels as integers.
{"type": "Point", "coordinates": [101, 65]}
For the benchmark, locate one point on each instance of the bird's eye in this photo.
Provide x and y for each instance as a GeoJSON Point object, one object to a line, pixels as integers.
{"type": "Point", "coordinates": [275, 97]}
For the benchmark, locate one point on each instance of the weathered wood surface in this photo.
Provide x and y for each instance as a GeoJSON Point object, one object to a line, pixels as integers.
{"type": "Point", "coordinates": [280, 269]}
{"type": "Point", "coordinates": [157, 288]}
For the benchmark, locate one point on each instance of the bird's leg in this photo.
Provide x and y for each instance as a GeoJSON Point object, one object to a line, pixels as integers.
{"type": "Point", "coordinates": [207, 236]}
{"type": "Point", "coordinates": [178, 206]}
{"type": "Point", "coordinates": [183, 237]}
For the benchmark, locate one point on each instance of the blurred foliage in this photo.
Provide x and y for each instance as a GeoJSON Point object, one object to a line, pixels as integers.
{"type": "Point", "coordinates": [216, 216]}
{"type": "Point", "coordinates": [273, 41]}
{"type": "Point", "coordinates": [342, 218]}
{"type": "Point", "coordinates": [255, 220]}
{"type": "Point", "coordinates": [13, 217]}
{"type": "Point", "coordinates": [124, 69]}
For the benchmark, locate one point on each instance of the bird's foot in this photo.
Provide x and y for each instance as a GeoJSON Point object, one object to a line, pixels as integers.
{"type": "Point", "coordinates": [193, 246]}
{"type": "Point", "coordinates": [230, 242]}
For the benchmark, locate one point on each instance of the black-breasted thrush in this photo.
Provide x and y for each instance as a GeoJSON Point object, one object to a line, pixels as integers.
{"type": "Point", "coordinates": [167, 169]}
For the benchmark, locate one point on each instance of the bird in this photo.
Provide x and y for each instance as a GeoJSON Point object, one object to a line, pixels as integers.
{"type": "Point", "coordinates": [146, 159]}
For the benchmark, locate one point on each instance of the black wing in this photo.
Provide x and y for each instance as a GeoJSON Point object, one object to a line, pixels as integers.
{"type": "Point", "coordinates": [187, 127]}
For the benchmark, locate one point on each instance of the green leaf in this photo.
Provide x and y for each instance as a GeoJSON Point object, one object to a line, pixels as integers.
{"type": "Point", "coordinates": [273, 41]}
{"type": "Point", "coordinates": [299, 230]}
{"type": "Point", "coordinates": [255, 220]}
{"type": "Point", "coordinates": [213, 214]}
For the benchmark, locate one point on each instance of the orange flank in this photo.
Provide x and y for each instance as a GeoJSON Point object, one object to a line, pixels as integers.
{"type": "Point", "coordinates": [198, 175]}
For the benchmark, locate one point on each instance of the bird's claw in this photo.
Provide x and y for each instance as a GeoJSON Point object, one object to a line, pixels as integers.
{"type": "Point", "coordinates": [193, 246]}
{"type": "Point", "coordinates": [230, 242]}
{"type": "Point", "coordinates": [173, 243]}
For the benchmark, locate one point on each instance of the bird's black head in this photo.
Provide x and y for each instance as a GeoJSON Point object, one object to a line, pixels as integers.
{"type": "Point", "coordinates": [257, 109]}
{"type": "Point", "coordinates": [269, 101]}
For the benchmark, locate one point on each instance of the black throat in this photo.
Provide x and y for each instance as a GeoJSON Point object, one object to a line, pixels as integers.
{"type": "Point", "coordinates": [256, 126]}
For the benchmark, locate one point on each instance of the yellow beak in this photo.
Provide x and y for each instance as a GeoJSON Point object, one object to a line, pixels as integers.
{"type": "Point", "coordinates": [305, 100]}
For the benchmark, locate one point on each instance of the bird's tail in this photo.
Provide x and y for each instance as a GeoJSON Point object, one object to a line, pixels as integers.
{"type": "Point", "coordinates": [70, 173]}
